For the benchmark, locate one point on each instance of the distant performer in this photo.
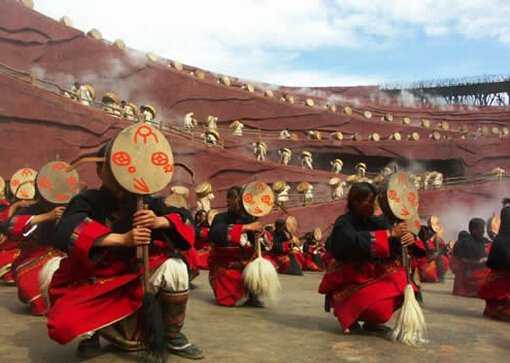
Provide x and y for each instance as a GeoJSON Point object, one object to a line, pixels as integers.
{"type": "Point", "coordinates": [336, 166]}
{"type": "Point", "coordinates": [496, 290]}
{"type": "Point", "coordinates": [237, 128]}
{"type": "Point", "coordinates": [285, 134]}
{"type": "Point", "coordinates": [360, 176]}
{"type": "Point", "coordinates": [212, 123]}
{"type": "Point", "coordinates": [190, 122]}
{"type": "Point", "coordinates": [211, 137]}
{"type": "Point", "coordinates": [366, 282]}
{"type": "Point", "coordinates": [260, 150]}
{"type": "Point", "coordinates": [281, 189]}
{"type": "Point", "coordinates": [149, 114]}
{"type": "Point", "coordinates": [233, 236]}
{"type": "Point", "coordinates": [130, 111]}
{"type": "Point", "coordinates": [470, 254]}
{"type": "Point", "coordinates": [337, 188]}
{"type": "Point", "coordinates": [306, 160]}
{"type": "Point", "coordinates": [285, 156]}
{"type": "Point", "coordinates": [205, 196]}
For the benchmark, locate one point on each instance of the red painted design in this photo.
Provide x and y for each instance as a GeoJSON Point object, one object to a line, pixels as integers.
{"type": "Point", "coordinates": [141, 185]}
{"type": "Point", "coordinates": [145, 132]}
{"type": "Point", "coordinates": [26, 172]}
{"type": "Point", "coordinates": [168, 168]}
{"type": "Point", "coordinates": [59, 166]}
{"type": "Point", "coordinates": [404, 212]}
{"type": "Point", "coordinates": [72, 181]}
{"type": "Point", "coordinates": [266, 199]}
{"type": "Point", "coordinates": [159, 158]}
{"type": "Point", "coordinates": [393, 195]}
{"type": "Point", "coordinates": [248, 198]}
{"type": "Point", "coordinates": [121, 158]}
{"type": "Point", "coordinates": [132, 169]}
{"type": "Point", "coordinates": [63, 197]}
{"type": "Point", "coordinates": [44, 183]}
{"type": "Point", "coordinates": [15, 183]}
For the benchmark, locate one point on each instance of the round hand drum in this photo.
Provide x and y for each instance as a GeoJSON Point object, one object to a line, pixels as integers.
{"type": "Point", "coordinates": [23, 183]}
{"type": "Point", "coordinates": [400, 198]}
{"type": "Point", "coordinates": [258, 199]}
{"type": "Point", "coordinates": [141, 159]}
{"type": "Point", "coordinates": [56, 184]}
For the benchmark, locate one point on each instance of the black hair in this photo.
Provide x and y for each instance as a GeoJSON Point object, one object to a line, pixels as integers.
{"type": "Point", "coordinates": [199, 212]}
{"type": "Point", "coordinates": [279, 225]}
{"type": "Point", "coordinates": [360, 191]}
{"type": "Point", "coordinates": [462, 235]}
{"type": "Point", "coordinates": [476, 223]}
{"type": "Point", "coordinates": [234, 192]}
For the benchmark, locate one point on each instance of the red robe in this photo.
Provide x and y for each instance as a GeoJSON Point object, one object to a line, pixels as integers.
{"type": "Point", "coordinates": [96, 287]}
{"type": "Point", "coordinates": [228, 258]}
{"type": "Point", "coordinates": [496, 289]}
{"type": "Point", "coordinates": [434, 265]}
{"type": "Point", "coordinates": [313, 256]}
{"type": "Point", "coordinates": [9, 249]}
{"type": "Point", "coordinates": [36, 251]}
{"type": "Point", "coordinates": [285, 259]}
{"type": "Point", "coordinates": [367, 281]}
{"type": "Point", "coordinates": [470, 274]}
{"type": "Point", "coordinates": [203, 247]}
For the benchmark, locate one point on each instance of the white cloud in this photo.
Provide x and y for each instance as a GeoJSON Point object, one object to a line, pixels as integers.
{"type": "Point", "coordinates": [262, 39]}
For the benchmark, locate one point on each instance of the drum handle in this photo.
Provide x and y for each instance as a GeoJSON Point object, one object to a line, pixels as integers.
{"type": "Point", "coordinates": [143, 251]}
{"type": "Point", "coordinates": [405, 263]}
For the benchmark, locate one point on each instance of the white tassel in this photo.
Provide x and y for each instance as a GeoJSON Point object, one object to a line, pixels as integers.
{"type": "Point", "coordinates": [410, 327]}
{"type": "Point", "coordinates": [46, 275]}
{"type": "Point", "coordinates": [261, 279]}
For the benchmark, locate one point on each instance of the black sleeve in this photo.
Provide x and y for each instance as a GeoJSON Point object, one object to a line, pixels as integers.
{"type": "Point", "coordinates": [219, 231]}
{"type": "Point", "coordinates": [499, 256]}
{"type": "Point", "coordinates": [79, 208]}
{"type": "Point", "coordinates": [279, 240]}
{"type": "Point", "coordinates": [171, 236]}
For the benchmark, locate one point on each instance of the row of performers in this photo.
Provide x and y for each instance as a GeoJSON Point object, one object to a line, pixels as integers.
{"type": "Point", "coordinates": [82, 272]}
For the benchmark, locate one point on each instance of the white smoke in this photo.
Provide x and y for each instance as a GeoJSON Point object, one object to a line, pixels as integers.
{"type": "Point", "coordinates": [456, 212]}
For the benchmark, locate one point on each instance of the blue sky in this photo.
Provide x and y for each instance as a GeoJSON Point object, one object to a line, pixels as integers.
{"type": "Point", "coordinates": [310, 42]}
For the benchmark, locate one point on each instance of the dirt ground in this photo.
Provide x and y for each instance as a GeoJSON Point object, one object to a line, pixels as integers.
{"type": "Point", "coordinates": [296, 330]}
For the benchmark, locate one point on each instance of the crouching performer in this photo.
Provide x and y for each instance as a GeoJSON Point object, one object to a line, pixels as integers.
{"type": "Point", "coordinates": [367, 280]}
{"type": "Point", "coordinates": [234, 236]}
{"type": "Point", "coordinates": [97, 291]}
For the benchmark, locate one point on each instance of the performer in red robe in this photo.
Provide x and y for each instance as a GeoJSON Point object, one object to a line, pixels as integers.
{"type": "Point", "coordinates": [313, 252]}
{"type": "Point", "coordinates": [367, 281]}
{"type": "Point", "coordinates": [33, 228]}
{"type": "Point", "coordinates": [287, 257]}
{"type": "Point", "coordinates": [202, 243]}
{"type": "Point", "coordinates": [496, 290]}
{"type": "Point", "coordinates": [97, 290]}
{"type": "Point", "coordinates": [232, 235]}
{"type": "Point", "coordinates": [434, 265]}
{"type": "Point", "coordinates": [9, 249]}
{"type": "Point", "coordinates": [468, 260]}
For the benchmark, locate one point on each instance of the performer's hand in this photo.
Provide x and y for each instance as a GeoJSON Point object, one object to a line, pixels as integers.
{"type": "Point", "coordinates": [138, 236]}
{"type": "Point", "coordinates": [399, 230]}
{"type": "Point", "coordinates": [144, 218]}
{"type": "Point", "coordinates": [56, 213]}
{"type": "Point", "coordinates": [407, 239]}
{"type": "Point", "coordinates": [253, 227]}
